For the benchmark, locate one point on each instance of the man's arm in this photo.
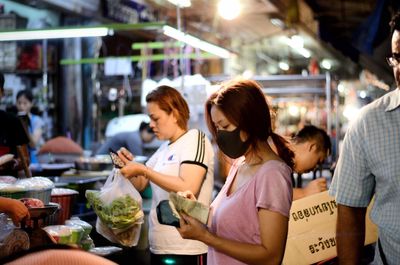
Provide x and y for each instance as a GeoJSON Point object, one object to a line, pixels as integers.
{"type": "Point", "coordinates": [350, 234]}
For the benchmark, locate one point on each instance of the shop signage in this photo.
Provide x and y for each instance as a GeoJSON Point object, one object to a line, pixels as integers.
{"type": "Point", "coordinates": [312, 230]}
{"type": "Point", "coordinates": [78, 6]}
{"type": "Point", "coordinates": [128, 11]}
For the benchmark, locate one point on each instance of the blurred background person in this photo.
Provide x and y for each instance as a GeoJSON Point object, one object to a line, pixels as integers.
{"type": "Point", "coordinates": [133, 141]}
{"type": "Point", "coordinates": [13, 140]}
{"type": "Point", "coordinates": [311, 146]}
{"type": "Point", "coordinates": [34, 122]}
{"type": "Point", "coordinates": [184, 162]}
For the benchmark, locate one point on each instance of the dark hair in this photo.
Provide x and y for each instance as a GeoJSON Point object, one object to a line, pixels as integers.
{"type": "Point", "coordinates": [26, 93]}
{"type": "Point", "coordinates": [244, 105]}
{"type": "Point", "coordinates": [312, 133]}
{"type": "Point", "coordinates": [395, 22]}
{"type": "Point", "coordinates": [145, 126]}
{"type": "Point", "coordinates": [170, 100]}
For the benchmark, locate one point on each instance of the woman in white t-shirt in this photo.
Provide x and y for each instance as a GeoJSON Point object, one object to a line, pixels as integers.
{"type": "Point", "coordinates": [184, 162]}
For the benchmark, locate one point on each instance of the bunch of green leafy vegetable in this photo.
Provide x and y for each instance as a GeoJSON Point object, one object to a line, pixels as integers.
{"type": "Point", "coordinates": [121, 213]}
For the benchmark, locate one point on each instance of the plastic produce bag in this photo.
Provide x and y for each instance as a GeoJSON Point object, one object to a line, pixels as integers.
{"type": "Point", "coordinates": [118, 206]}
{"type": "Point", "coordinates": [6, 227]}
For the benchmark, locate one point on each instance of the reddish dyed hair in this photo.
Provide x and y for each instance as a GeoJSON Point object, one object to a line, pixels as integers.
{"type": "Point", "coordinates": [170, 100]}
{"type": "Point", "coordinates": [245, 106]}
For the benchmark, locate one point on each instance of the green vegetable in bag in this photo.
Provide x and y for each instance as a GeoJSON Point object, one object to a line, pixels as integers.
{"type": "Point", "coordinates": [122, 213]}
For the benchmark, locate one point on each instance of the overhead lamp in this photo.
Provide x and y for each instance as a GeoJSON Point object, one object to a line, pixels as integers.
{"type": "Point", "coordinates": [181, 3]}
{"type": "Point", "coordinates": [196, 42]}
{"type": "Point", "coordinates": [229, 9]}
{"type": "Point", "coordinates": [297, 43]}
{"type": "Point", "coordinates": [341, 88]}
{"type": "Point", "coordinates": [283, 65]}
{"type": "Point", "coordinates": [326, 64]}
{"type": "Point", "coordinates": [41, 34]}
{"type": "Point", "coordinates": [363, 94]}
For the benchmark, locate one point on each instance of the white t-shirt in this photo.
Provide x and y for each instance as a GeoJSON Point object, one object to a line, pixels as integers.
{"type": "Point", "coordinates": [194, 148]}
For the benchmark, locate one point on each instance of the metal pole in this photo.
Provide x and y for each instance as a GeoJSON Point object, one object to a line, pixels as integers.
{"type": "Point", "coordinates": [337, 124]}
{"type": "Point", "coordinates": [45, 68]}
{"type": "Point", "coordinates": [179, 26]}
{"type": "Point", "coordinates": [328, 105]}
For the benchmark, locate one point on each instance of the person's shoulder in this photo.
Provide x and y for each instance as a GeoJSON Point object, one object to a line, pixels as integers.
{"type": "Point", "coordinates": [193, 134]}
{"type": "Point", "coordinates": [9, 118]}
{"type": "Point", "coordinates": [126, 134]}
{"type": "Point", "coordinates": [199, 135]}
{"type": "Point", "coordinates": [274, 171]}
{"type": "Point", "coordinates": [383, 103]}
{"type": "Point", "coordinates": [196, 133]}
{"type": "Point", "coordinates": [276, 166]}
{"type": "Point", "coordinates": [376, 110]}
{"type": "Point", "coordinates": [7, 115]}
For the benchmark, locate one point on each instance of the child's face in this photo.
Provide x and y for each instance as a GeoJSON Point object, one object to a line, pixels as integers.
{"type": "Point", "coordinates": [23, 104]}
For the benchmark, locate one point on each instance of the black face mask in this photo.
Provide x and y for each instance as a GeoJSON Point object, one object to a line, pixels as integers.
{"type": "Point", "coordinates": [231, 144]}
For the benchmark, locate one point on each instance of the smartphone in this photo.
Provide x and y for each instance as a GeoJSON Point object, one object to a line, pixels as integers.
{"type": "Point", "coordinates": [165, 215]}
{"type": "Point", "coordinates": [117, 162]}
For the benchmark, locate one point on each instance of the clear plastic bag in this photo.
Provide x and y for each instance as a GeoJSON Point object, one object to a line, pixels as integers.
{"type": "Point", "coordinates": [118, 206]}
{"type": "Point", "coordinates": [6, 227]}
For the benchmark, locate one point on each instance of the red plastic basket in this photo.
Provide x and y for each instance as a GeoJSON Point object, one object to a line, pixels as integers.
{"type": "Point", "coordinates": [66, 202]}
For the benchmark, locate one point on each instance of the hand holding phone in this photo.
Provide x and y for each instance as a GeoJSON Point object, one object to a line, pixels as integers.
{"type": "Point", "coordinates": [117, 162]}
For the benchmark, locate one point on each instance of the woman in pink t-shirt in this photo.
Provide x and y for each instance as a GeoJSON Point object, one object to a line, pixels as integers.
{"type": "Point", "coordinates": [249, 219]}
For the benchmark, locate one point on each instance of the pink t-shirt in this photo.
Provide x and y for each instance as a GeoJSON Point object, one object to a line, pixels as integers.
{"type": "Point", "coordinates": [235, 216]}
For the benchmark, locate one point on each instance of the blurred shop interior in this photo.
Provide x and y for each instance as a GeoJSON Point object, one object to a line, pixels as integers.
{"type": "Point", "coordinates": [90, 64]}
{"type": "Point", "coordinates": [318, 61]}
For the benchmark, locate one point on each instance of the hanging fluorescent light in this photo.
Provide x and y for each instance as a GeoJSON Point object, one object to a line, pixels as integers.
{"type": "Point", "coordinates": [297, 44]}
{"type": "Point", "coordinates": [41, 34]}
{"type": "Point", "coordinates": [196, 42]}
{"type": "Point", "coordinates": [181, 3]}
{"type": "Point", "coordinates": [229, 9]}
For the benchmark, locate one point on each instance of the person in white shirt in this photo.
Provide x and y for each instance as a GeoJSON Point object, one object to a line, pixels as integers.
{"type": "Point", "coordinates": [184, 162]}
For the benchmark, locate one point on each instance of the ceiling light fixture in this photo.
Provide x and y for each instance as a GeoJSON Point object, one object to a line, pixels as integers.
{"type": "Point", "coordinates": [326, 63]}
{"type": "Point", "coordinates": [181, 3]}
{"type": "Point", "coordinates": [42, 34]}
{"type": "Point", "coordinates": [229, 9]}
{"type": "Point", "coordinates": [297, 43]}
{"type": "Point", "coordinates": [283, 65]}
{"type": "Point", "coordinates": [75, 31]}
{"type": "Point", "coordinates": [196, 42]}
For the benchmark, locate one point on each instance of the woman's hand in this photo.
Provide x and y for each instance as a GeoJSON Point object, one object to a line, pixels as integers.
{"type": "Point", "coordinates": [190, 228]}
{"type": "Point", "coordinates": [125, 155]}
{"type": "Point", "coordinates": [135, 172]}
{"type": "Point", "coordinates": [133, 169]}
{"type": "Point", "coordinates": [187, 194]}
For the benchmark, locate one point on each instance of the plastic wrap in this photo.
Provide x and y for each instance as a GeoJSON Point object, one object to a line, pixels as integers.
{"type": "Point", "coordinates": [118, 206]}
